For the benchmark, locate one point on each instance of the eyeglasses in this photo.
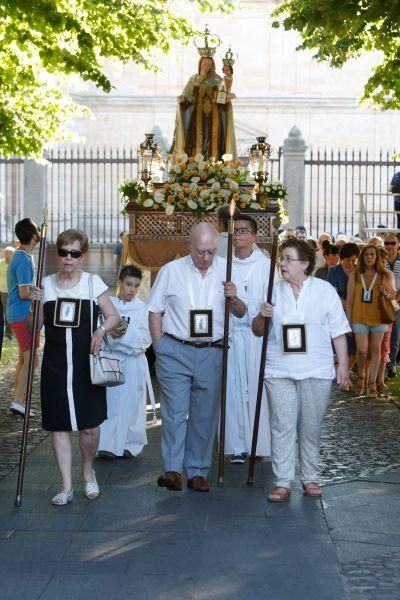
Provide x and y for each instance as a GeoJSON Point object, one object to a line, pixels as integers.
{"type": "Point", "coordinates": [390, 243]}
{"type": "Point", "coordinates": [288, 259]}
{"type": "Point", "coordinates": [242, 230]}
{"type": "Point", "coordinates": [203, 253]}
{"type": "Point", "coordinates": [73, 253]}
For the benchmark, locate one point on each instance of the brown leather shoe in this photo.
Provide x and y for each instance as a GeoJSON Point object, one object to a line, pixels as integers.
{"type": "Point", "coordinates": [198, 484]}
{"type": "Point", "coordinates": [171, 480]}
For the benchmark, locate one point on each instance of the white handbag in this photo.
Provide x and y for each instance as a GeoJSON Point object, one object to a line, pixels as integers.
{"type": "Point", "coordinates": [105, 368]}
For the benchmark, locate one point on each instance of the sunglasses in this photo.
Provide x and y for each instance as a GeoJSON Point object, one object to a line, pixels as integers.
{"type": "Point", "coordinates": [390, 243]}
{"type": "Point", "coordinates": [73, 253]}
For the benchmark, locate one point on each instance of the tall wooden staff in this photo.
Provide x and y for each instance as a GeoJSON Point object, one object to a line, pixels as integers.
{"type": "Point", "coordinates": [276, 223]}
{"type": "Point", "coordinates": [28, 397]}
{"type": "Point", "coordinates": [225, 350]}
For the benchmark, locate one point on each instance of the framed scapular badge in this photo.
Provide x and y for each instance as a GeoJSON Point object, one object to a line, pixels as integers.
{"type": "Point", "coordinates": [366, 295]}
{"type": "Point", "coordinates": [222, 97]}
{"type": "Point", "coordinates": [201, 323]}
{"type": "Point", "coordinates": [67, 312]}
{"type": "Point", "coordinates": [294, 338]}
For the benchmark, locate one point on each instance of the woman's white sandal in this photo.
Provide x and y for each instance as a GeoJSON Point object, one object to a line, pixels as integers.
{"type": "Point", "coordinates": [62, 498]}
{"type": "Point", "coordinates": [92, 489]}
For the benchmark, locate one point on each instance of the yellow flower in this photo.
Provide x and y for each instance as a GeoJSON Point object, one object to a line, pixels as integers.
{"type": "Point", "coordinates": [171, 198]}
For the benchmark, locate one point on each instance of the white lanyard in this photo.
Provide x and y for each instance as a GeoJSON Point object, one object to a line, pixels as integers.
{"type": "Point", "coordinates": [287, 299]}
{"type": "Point", "coordinates": [368, 291]}
{"type": "Point", "coordinates": [191, 290]}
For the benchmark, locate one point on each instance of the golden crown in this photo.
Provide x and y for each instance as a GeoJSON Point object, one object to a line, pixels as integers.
{"type": "Point", "coordinates": [207, 43]}
{"type": "Point", "coordinates": [229, 58]}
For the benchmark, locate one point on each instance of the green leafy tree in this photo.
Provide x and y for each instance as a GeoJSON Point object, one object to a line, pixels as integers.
{"type": "Point", "coordinates": [43, 42]}
{"type": "Point", "coordinates": [339, 31]}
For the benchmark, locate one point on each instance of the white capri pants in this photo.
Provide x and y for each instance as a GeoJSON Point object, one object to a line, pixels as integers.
{"type": "Point", "coordinates": [296, 407]}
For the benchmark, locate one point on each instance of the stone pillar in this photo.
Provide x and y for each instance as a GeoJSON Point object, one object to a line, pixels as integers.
{"type": "Point", "coordinates": [294, 150]}
{"type": "Point", "coordinates": [35, 190]}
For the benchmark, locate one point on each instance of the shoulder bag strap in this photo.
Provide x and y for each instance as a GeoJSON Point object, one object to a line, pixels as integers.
{"type": "Point", "coordinates": [91, 302]}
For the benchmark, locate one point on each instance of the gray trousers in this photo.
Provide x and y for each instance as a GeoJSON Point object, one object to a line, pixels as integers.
{"type": "Point", "coordinates": [189, 380]}
{"type": "Point", "coordinates": [297, 408]}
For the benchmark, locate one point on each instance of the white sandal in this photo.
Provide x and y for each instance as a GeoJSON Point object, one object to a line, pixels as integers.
{"type": "Point", "coordinates": [92, 489]}
{"type": "Point", "coordinates": [62, 498]}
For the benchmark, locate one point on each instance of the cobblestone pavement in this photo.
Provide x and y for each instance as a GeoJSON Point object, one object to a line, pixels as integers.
{"type": "Point", "coordinates": [11, 425]}
{"type": "Point", "coordinates": [360, 438]}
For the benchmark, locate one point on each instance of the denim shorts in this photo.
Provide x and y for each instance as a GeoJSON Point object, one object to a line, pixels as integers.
{"type": "Point", "coordinates": [364, 328]}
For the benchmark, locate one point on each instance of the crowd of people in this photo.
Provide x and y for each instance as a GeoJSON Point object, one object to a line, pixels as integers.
{"type": "Point", "coordinates": [326, 322]}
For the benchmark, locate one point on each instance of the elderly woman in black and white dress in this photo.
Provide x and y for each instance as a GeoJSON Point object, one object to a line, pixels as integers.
{"type": "Point", "coordinates": [306, 315]}
{"type": "Point", "coordinates": [69, 400]}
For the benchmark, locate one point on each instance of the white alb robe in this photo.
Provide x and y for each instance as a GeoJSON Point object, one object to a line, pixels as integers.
{"type": "Point", "coordinates": [252, 275]}
{"type": "Point", "coordinates": [125, 427]}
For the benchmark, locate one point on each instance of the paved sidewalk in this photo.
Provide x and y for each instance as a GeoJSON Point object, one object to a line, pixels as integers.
{"type": "Point", "coordinates": [140, 541]}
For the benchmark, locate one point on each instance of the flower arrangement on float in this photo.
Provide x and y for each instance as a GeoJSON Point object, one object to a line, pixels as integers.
{"type": "Point", "coordinates": [198, 185]}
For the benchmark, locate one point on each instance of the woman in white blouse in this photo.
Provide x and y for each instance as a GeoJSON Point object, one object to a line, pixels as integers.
{"type": "Point", "coordinates": [306, 315]}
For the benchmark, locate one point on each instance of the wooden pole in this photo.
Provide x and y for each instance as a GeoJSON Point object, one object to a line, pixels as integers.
{"type": "Point", "coordinates": [31, 367]}
{"type": "Point", "coordinates": [263, 356]}
{"type": "Point", "coordinates": [225, 351]}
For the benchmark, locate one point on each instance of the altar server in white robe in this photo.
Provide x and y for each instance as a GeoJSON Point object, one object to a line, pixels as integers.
{"type": "Point", "coordinates": [123, 434]}
{"type": "Point", "coordinates": [251, 268]}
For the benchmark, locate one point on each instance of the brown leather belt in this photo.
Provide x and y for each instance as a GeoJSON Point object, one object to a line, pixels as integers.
{"type": "Point", "coordinates": [216, 344]}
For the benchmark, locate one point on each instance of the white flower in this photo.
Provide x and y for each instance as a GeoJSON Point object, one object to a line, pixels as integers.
{"type": "Point", "coordinates": [195, 179]}
{"type": "Point", "coordinates": [199, 158]}
{"type": "Point", "coordinates": [148, 203]}
{"type": "Point", "coordinates": [158, 196]}
{"type": "Point", "coordinates": [169, 209]}
{"type": "Point", "coordinates": [215, 187]}
{"type": "Point", "coordinates": [204, 193]}
{"type": "Point", "coordinates": [245, 198]}
{"type": "Point", "coordinates": [255, 206]}
{"type": "Point", "coordinates": [227, 157]}
{"type": "Point", "coordinates": [201, 166]}
{"type": "Point", "coordinates": [192, 204]}
{"type": "Point", "coordinates": [211, 206]}
{"type": "Point", "coordinates": [193, 186]}
{"type": "Point", "coordinates": [212, 180]}
{"type": "Point", "coordinates": [233, 185]}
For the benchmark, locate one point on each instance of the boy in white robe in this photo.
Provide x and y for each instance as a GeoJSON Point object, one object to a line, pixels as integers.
{"type": "Point", "coordinates": [123, 434]}
{"type": "Point", "coordinates": [251, 270]}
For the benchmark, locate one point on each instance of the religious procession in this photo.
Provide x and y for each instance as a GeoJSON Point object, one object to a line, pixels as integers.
{"type": "Point", "coordinates": [230, 346]}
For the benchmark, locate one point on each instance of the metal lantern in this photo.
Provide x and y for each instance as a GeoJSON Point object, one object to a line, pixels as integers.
{"type": "Point", "coordinates": [259, 155]}
{"type": "Point", "coordinates": [151, 164]}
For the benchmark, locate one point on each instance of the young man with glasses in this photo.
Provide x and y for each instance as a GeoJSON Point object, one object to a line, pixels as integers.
{"type": "Point", "coordinates": [391, 243]}
{"type": "Point", "coordinates": [251, 270]}
{"type": "Point", "coordinates": [20, 278]}
{"type": "Point", "coordinates": [186, 319]}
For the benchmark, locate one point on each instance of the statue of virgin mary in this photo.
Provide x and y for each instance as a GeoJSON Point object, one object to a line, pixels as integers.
{"type": "Point", "coordinates": [204, 120]}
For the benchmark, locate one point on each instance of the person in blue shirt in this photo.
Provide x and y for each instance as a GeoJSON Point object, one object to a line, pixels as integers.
{"type": "Point", "coordinates": [395, 187]}
{"type": "Point", "coordinates": [20, 278]}
{"type": "Point", "coordinates": [338, 277]}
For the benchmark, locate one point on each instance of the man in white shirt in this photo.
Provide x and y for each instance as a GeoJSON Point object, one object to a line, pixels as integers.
{"type": "Point", "coordinates": [186, 292]}
{"type": "Point", "coordinates": [251, 270]}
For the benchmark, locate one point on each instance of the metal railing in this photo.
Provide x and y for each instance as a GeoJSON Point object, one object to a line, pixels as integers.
{"type": "Point", "coordinates": [82, 191]}
{"type": "Point", "coordinates": [333, 182]}
{"type": "Point", "coordinates": [11, 196]}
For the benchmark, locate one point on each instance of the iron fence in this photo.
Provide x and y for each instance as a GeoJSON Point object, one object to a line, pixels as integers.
{"type": "Point", "coordinates": [334, 182]}
{"type": "Point", "coordinates": [82, 191]}
{"type": "Point", "coordinates": [11, 196]}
